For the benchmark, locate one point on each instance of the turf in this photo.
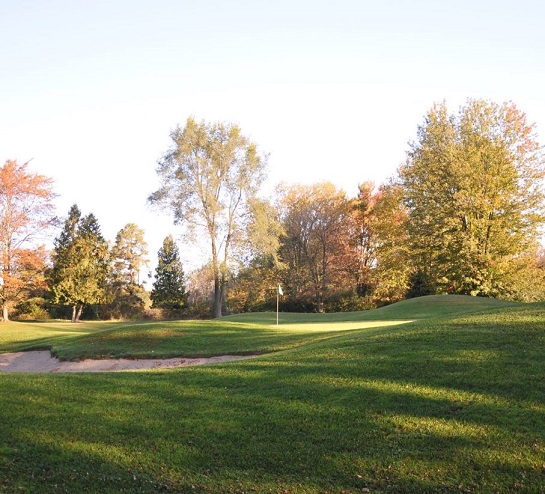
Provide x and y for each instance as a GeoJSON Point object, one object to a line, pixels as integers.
{"type": "Point", "coordinates": [451, 402]}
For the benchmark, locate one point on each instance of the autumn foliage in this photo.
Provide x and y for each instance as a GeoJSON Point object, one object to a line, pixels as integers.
{"type": "Point", "coordinates": [26, 212]}
{"type": "Point", "coordinates": [464, 214]}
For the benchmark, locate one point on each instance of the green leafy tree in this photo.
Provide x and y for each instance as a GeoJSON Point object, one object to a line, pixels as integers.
{"type": "Point", "coordinates": [473, 188]}
{"type": "Point", "coordinates": [208, 179]}
{"type": "Point", "coordinates": [80, 263]}
{"type": "Point", "coordinates": [392, 255]}
{"type": "Point", "coordinates": [169, 286]}
{"type": "Point", "coordinates": [253, 286]}
{"type": "Point", "coordinates": [129, 254]}
{"type": "Point", "coordinates": [127, 295]}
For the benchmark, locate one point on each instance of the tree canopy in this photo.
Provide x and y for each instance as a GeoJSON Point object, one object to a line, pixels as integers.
{"type": "Point", "coordinates": [169, 286]}
{"type": "Point", "coordinates": [464, 214]}
{"type": "Point", "coordinates": [26, 211]}
{"type": "Point", "coordinates": [208, 178]}
{"type": "Point", "coordinates": [80, 263]}
{"type": "Point", "coordinates": [472, 185]}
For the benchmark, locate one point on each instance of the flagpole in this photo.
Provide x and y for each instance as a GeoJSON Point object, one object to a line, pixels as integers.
{"type": "Point", "coordinates": [277, 297]}
{"type": "Point", "coordinates": [278, 293]}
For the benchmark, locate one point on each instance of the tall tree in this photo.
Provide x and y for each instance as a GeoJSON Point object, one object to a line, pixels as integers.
{"type": "Point", "coordinates": [80, 263]}
{"type": "Point", "coordinates": [315, 241]}
{"type": "Point", "coordinates": [26, 210]}
{"type": "Point", "coordinates": [126, 294]}
{"type": "Point", "coordinates": [363, 217]}
{"type": "Point", "coordinates": [473, 188]}
{"type": "Point", "coordinates": [169, 286]}
{"type": "Point", "coordinates": [129, 254]}
{"type": "Point", "coordinates": [208, 179]}
{"type": "Point", "coordinates": [392, 260]}
{"type": "Point", "coordinates": [255, 282]}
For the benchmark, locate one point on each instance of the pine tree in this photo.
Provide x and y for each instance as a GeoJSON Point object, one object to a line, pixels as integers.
{"type": "Point", "coordinates": [80, 263]}
{"type": "Point", "coordinates": [169, 287]}
{"type": "Point", "coordinates": [126, 293]}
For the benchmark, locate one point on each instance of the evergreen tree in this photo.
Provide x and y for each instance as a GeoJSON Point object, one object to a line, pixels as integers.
{"type": "Point", "coordinates": [127, 295]}
{"type": "Point", "coordinates": [129, 254]}
{"type": "Point", "coordinates": [80, 263]}
{"type": "Point", "coordinates": [169, 287]}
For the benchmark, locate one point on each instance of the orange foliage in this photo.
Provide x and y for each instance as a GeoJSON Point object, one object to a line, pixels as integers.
{"type": "Point", "coordinates": [26, 211]}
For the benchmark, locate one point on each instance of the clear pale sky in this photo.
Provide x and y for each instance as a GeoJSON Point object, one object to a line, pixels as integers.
{"type": "Point", "coordinates": [332, 90]}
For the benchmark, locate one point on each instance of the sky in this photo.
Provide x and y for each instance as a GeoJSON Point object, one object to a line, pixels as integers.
{"type": "Point", "coordinates": [90, 90]}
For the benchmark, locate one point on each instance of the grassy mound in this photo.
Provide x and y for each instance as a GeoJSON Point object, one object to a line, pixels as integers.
{"type": "Point", "coordinates": [453, 401]}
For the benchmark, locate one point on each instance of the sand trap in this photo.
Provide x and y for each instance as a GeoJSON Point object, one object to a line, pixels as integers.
{"type": "Point", "coordinates": [42, 361]}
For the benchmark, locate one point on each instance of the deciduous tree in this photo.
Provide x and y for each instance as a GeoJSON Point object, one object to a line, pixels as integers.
{"type": "Point", "coordinates": [315, 243]}
{"type": "Point", "coordinates": [127, 295]}
{"type": "Point", "coordinates": [129, 254]}
{"type": "Point", "coordinates": [363, 217]}
{"type": "Point", "coordinates": [473, 188]}
{"type": "Point", "coordinates": [26, 211]}
{"type": "Point", "coordinates": [392, 255]}
{"type": "Point", "coordinates": [208, 178]}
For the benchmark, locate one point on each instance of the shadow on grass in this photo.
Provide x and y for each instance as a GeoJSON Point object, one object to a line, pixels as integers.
{"type": "Point", "coordinates": [313, 426]}
{"type": "Point", "coordinates": [421, 408]}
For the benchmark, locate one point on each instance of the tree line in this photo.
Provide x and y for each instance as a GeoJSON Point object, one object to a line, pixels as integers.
{"type": "Point", "coordinates": [82, 272]}
{"type": "Point", "coordinates": [463, 214]}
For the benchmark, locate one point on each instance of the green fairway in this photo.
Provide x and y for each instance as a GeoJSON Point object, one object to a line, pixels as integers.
{"type": "Point", "coordinates": [232, 335]}
{"type": "Point", "coordinates": [453, 401]}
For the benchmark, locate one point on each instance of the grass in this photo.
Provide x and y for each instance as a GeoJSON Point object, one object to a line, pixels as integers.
{"type": "Point", "coordinates": [451, 402]}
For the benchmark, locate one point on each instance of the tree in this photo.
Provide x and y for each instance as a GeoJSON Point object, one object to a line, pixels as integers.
{"type": "Point", "coordinates": [80, 263]}
{"type": "Point", "coordinates": [169, 285]}
{"type": "Point", "coordinates": [391, 251]}
{"type": "Point", "coordinates": [29, 287]}
{"type": "Point", "coordinates": [473, 188]}
{"type": "Point", "coordinates": [363, 217]}
{"type": "Point", "coordinates": [26, 210]}
{"type": "Point", "coordinates": [378, 222]}
{"type": "Point", "coordinates": [200, 283]}
{"type": "Point", "coordinates": [315, 244]}
{"type": "Point", "coordinates": [127, 295]}
{"type": "Point", "coordinates": [129, 254]}
{"type": "Point", "coordinates": [208, 179]}
{"type": "Point", "coordinates": [254, 284]}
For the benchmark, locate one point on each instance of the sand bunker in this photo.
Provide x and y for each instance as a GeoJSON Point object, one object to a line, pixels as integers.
{"type": "Point", "coordinates": [42, 361]}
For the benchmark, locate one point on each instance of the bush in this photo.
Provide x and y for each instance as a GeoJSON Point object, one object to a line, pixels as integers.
{"type": "Point", "coordinates": [347, 302]}
{"type": "Point", "coordinates": [31, 309]}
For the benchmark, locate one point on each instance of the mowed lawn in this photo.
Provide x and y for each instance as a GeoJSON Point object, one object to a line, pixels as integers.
{"type": "Point", "coordinates": [438, 394]}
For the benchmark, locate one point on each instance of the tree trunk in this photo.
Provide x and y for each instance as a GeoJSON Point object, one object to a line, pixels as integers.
{"type": "Point", "coordinates": [5, 313]}
{"type": "Point", "coordinates": [217, 276]}
{"type": "Point", "coordinates": [76, 312]}
{"type": "Point", "coordinates": [80, 310]}
{"type": "Point", "coordinates": [218, 295]}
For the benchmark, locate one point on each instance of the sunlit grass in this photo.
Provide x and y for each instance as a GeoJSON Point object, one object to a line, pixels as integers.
{"type": "Point", "coordinates": [234, 335]}
{"type": "Point", "coordinates": [452, 403]}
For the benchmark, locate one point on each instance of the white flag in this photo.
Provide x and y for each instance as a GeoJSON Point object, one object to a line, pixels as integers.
{"type": "Point", "coordinates": [280, 290]}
